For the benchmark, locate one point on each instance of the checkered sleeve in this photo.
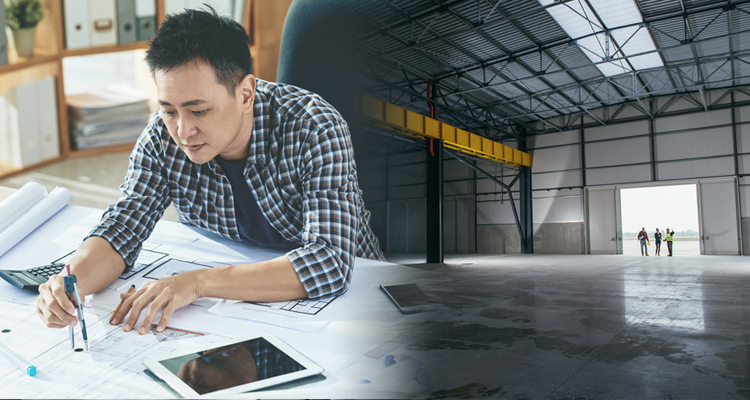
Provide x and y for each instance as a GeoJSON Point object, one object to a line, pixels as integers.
{"type": "Point", "coordinates": [143, 199]}
{"type": "Point", "coordinates": [329, 194]}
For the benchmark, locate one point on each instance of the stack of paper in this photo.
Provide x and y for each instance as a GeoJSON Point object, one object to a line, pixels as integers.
{"type": "Point", "coordinates": [116, 114]}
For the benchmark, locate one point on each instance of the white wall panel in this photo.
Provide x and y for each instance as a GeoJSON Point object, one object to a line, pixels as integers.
{"type": "Point", "coordinates": [454, 169]}
{"type": "Point", "coordinates": [744, 197]}
{"type": "Point", "coordinates": [614, 175]}
{"type": "Point", "coordinates": [617, 152]}
{"type": "Point", "coordinates": [406, 174]}
{"type": "Point", "coordinates": [693, 144]}
{"type": "Point", "coordinates": [629, 112]}
{"type": "Point", "coordinates": [540, 194]}
{"type": "Point", "coordinates": [495, 213]}
{"type": "Point", "coordinates": [406, 158]}
{"type": "Point", "coordinates": [743, 138]}
{"type": "Point", "coordinates": [553, 139]}
{"type": "Point", "coordinates": [696, 168]}
{"type": "Point", "coordinates": [406, 192]}
{"type": "Point", "coordinates": [553, 180]}
{"type": "Point", "coordinates": [556, 158]}
{"type": "Point", "coordinates": [692, 121]}
{"type": "Point", "coordinates": [615, 131]}
{"type": "Point", "coordinates": [680, 104]}
{"type": "Point", "coordinates": [742, 114]}
{"type": "Point", "coordinates": [744, 164]}
{"type": "Point", "coordinates": [457, 188]}
{"type": "Point", "coordinates": [485, 185]}
{"type": "Point", "coordinates": [563, 209]}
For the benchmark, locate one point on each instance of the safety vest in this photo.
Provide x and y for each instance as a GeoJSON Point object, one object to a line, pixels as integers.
{"type": "Point", "coordinates": [668, 236]}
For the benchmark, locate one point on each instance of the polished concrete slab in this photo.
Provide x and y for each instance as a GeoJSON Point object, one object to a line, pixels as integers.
{"type": "Point", "coordinates": [583, 326]}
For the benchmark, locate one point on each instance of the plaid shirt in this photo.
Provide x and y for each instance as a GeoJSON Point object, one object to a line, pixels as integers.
{"type": "Point", "coordinates": [300, 168]}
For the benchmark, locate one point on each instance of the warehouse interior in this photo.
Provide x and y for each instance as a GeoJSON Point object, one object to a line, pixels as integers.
{"type": "Point", "coordinates": [526, 263]}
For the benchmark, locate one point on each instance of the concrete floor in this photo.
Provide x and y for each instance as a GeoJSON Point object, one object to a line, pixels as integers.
{"type": "Point", "coordinates": [585, 327]}
{"type": "Point", "coordinates": [547, 326]}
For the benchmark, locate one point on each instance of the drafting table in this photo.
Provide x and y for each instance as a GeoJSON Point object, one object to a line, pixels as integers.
{"type": "Point", "coordinates": [354, 348]}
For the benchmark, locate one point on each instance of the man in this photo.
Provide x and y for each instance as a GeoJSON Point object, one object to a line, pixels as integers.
{"type": "Point", "coordinates": [260, 162]}
{"type": "Point", "coordinates": [657, 241]}
{"type": "Point", "coordinates": [669, 237]}
{"type": "Point", "coordinates": [643, 238]}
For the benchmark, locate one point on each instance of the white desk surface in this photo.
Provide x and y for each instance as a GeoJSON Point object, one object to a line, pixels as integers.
{"type": "Point", "coordinates": [353, 348]}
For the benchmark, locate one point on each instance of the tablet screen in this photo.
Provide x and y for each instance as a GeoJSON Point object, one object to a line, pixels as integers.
{"type": "Point", "coordinates": [407, 295]}
{"type": "Point", "coordinates": [231, 365]}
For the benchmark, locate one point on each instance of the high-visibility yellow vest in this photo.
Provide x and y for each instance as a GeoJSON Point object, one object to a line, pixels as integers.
{"type": "Point", "coordinates": [668, 236]}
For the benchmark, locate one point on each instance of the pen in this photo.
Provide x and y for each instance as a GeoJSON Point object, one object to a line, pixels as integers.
{"type": "Point", "coordinates": [70, 327]}
{"type": "Point", "coordinates": [16, 359]}
{"type": "Point", "coordinates": [131, 290]}
{"type": "Point", "coordinates": [71, 287]}
{"type": "Point", "coordinates": [79, 305]}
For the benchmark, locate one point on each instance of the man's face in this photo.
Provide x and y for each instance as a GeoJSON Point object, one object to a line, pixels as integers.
{"type": "Point", "coordinates": [202, 117]}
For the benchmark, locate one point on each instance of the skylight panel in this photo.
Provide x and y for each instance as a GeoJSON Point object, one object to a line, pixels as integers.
{"type": "Point", "coordinates": [616, 13]}
{"type": "Point", "coordinates": [581, 23]}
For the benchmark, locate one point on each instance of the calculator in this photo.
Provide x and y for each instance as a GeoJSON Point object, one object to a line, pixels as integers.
{"type": "Point", "coordinates": [30, 279]}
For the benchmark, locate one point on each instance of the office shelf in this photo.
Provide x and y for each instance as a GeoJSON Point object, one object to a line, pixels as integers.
{"type": "Point", "coordinates": [265, 22]}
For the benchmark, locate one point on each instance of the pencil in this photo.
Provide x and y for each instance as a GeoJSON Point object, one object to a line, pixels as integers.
{"type": "Point", "coordinates": [131, 290]}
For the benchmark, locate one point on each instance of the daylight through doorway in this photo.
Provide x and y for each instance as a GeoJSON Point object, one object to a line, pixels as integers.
{"type": "Point", "coordinates": [674, 207]}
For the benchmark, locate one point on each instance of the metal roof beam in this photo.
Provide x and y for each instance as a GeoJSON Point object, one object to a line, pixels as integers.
{"type": "Point", "coordinates": [567, 40]}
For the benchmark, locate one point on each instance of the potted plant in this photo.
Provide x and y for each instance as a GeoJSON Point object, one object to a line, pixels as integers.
{"type": "Point", "coordinates": [22, 16]}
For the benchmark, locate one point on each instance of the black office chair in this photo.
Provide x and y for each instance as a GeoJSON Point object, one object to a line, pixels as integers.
{"type": "Point", "coordinates": [318, 50]}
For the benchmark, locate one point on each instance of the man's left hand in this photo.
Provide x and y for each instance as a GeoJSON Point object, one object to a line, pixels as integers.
{"type": "Point", "coordinates": [168, 294]}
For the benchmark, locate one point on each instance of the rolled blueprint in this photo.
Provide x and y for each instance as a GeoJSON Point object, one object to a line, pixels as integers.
{"type": "Point", "coordinates": [35, 216]}
{"type": "Point", "coordinates": [19, 202]}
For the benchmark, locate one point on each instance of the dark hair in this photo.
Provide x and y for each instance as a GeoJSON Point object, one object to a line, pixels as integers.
{"type": "Point", "coordinates": [202, 35]}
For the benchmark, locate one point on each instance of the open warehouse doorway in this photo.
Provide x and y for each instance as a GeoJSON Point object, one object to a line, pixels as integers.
{"type": "Point", "coordinates": [716, 208]}
{"type": "Point", "coordinates": [672, 207]}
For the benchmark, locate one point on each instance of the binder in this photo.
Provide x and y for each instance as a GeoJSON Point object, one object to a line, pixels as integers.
{"type": "Point", "coordinates": [126, 29]}
{"type": "Point", "coordinates": [5, 153]}
{"type": "Point", "coordinates": [239, 11]}
{"type": "Point", "coordinates": [145, 19]}
{"type": "Point", "coordinates": [3, 39]}
{"type": "Point", "coordinates": [49, 134]}
{"type": "Point", "coordinates": [176, 6]}
{"type": "Point", "coordinates": [23, 127]}
{"type": "Point", "coordinates": [102, 22]}
{"type": "Point", "coordinates": [76, 20]}
{"type": "Point", "coordinates": [223, 7]}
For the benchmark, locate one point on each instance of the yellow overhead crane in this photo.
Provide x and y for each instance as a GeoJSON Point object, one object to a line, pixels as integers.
{"type": "Point", "coordinates": [404, 121]}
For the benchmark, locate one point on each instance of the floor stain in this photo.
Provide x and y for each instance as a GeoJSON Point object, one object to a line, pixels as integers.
{"type": "Point", "coordinates": [452, 335]}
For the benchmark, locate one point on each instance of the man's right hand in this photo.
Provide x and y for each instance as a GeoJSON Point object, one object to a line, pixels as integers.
{"type": "Point", "coordinates": [95, 264]}
{"type": "Point", "coordinates": [53, 306]}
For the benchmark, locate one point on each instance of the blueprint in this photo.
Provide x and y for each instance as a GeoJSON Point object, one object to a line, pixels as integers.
{"type": "Point", "coordinates": [114, 359]}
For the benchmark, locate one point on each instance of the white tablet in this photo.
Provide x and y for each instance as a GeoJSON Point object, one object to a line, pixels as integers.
{"type": "Point", "coordinates": [234, 366]}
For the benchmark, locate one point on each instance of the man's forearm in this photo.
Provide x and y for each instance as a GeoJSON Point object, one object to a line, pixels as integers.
{"type": "Point", "coordinates": [272, 280]}
{"type": "Point", "coordinates": [96, 265]}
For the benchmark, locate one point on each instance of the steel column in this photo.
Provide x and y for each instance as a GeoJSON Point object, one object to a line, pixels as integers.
{"type": "Point", "coordinates": [527, 220]}
{"type": "Point", "coordinates": [434, 211]}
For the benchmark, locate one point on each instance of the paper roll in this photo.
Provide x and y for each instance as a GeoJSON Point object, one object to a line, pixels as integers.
{"type": "Point", "coordinates": [19, 202]}
{"type": "Point", "coordinates": [35, 216]}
